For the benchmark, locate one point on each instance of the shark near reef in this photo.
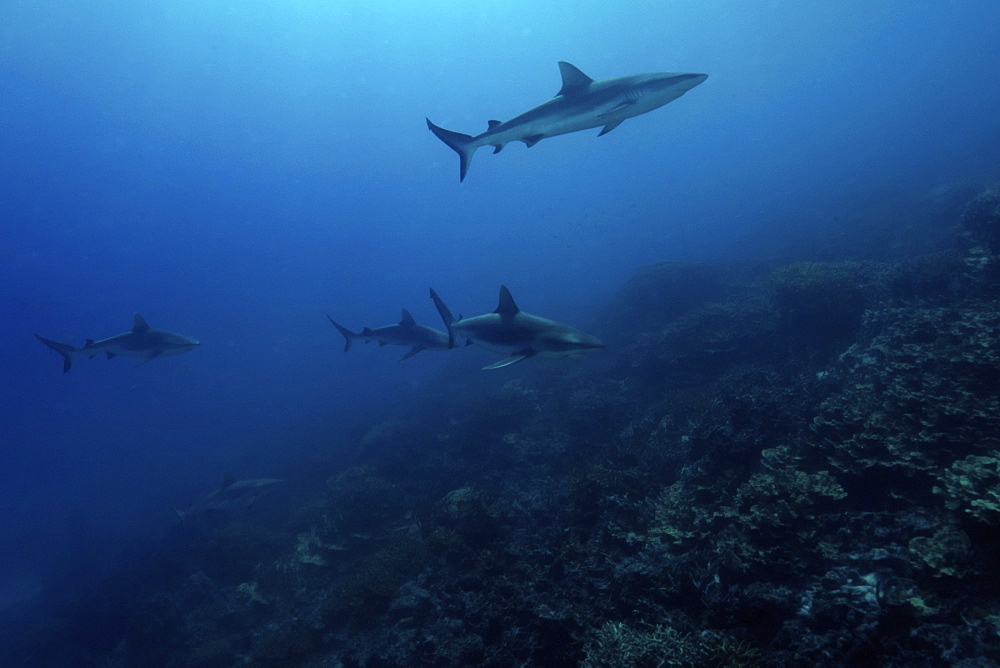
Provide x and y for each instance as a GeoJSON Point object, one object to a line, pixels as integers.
{"type": "Point", "coordinates": [580, 104]}
{"type": "Point", "coordinates": [510, 331]}
{"type": "Point", "coordinates": [232, 494]}
{"type": "Point", "coordinates": [406, 333]}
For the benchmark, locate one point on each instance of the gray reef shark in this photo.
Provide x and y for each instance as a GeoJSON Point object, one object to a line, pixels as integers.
{"type": "Point", "coordinates": [510, 331]}
{"type": "Point", "coordinates": [580, 104]}
{"type": "Point", "coordinates": [232, 494]}
{"type": "Point", "coordinates": [406, 333]}
{"type": "Point", "coordinates": [141, 341]}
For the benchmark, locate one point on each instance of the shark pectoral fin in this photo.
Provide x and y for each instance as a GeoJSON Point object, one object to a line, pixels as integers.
{"type": "Point", "coordinates": [617, 110]}
{"type": "Point", "coordinates": [608, 128]}
{"type": "Point", "coordinates": [151, 357]}
{"type": "Point", "coordinates": [110, 355]}
{"type": "Point", "coordinates": [532, 140]}
{"type": "Point", "coordinates": [513, 359]}
{"type": "Point", "coordinates": [497, 148]}
{"type": "Point", "coordinates": [413, 351]}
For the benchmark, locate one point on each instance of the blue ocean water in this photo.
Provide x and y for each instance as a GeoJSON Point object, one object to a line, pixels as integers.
{"type": "Point", "coordinates": [235, 171]}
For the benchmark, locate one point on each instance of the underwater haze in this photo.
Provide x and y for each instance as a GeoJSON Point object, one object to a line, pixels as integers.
{"type": "Point", "coordinates": [235, 172]}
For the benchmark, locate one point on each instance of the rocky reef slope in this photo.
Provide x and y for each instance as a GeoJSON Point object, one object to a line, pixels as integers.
{"type": "Point", "coordinates": [788, 463]}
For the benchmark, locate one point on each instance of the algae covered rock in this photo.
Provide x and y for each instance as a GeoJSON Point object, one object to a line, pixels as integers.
{"type": "Point", "coordinates": [981, 220]}
{"type": "Point", "coordinates": [973, 485]}
{"type": "Point", "coordinates": [816, 301]}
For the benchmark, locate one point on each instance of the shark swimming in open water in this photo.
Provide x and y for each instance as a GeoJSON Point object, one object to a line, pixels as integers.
{"type": "Point", "coordinates": [519, 335]}
{"type": "Point", "coordinates": [406, 333]}
{"type": "Point", "coordinates": [580, 104]}
{"type": "Point", "coordinates": [141, 341]}
{"type": "Point", "coordinates": [232, 494]}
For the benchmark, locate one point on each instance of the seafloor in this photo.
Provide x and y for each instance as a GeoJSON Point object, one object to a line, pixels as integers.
{"type": "Point", "coordinates": [794, 462]}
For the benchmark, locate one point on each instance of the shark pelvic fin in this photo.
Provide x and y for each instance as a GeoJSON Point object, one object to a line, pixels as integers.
{"type": "Point", "coordinates": [513, 359]}
{"type": "Point", "coordinates": [139, 325]}
{"type": "Point", "coordinates": [573, 80]}
{"type": "Point", "coordinates": [506, 309]}
{"type": "Point", "coordinates": [532, 140]}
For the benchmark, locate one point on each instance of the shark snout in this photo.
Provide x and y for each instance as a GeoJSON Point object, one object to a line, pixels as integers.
{"type": "Point", "coordinates": [693, 80]}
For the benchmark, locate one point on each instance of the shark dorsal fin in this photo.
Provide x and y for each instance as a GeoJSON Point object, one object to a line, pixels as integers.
{"type": "Point", "coordinates": [492, 124]}
{"type": "Point", "coordinates": [139, 324]}
{"type": "Point", "coordinates": [407, 319]}
{"type": "Point", "coordinates": [506, 308]}
{"type": "Point", "coordinates": [573, 79]}
{"type": "Point", "coordinates": [227, 480]}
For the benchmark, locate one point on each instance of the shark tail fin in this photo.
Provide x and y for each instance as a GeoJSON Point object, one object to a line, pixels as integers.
{"type": "Point", "coordinates": [68, 352]}
{"type": "Point", "coordinates": [446, 316]}
{"type": "Point", "coordinates": [348, 334]}
{"type": "Point", "coordinates": [459, 143]}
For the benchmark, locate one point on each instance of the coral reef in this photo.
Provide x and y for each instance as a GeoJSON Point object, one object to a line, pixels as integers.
{"type": "Point", "coordinates": [789, 464]}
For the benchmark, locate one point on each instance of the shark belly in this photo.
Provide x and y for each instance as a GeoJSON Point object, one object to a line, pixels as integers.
{"type": "Point", "coordinates": [542, 127]}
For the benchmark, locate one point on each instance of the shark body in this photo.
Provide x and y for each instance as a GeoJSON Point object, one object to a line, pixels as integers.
{"type": "Point", "coordinates": [232, 494]}
{"type": "Point", "coordinates": [141, 341]}
{"type": "Point", "coordinates": [580, 104]}
{"type": "Point", "coordinates": [406, 333]}
{"type": "Point", "coordinates": [519, 335]}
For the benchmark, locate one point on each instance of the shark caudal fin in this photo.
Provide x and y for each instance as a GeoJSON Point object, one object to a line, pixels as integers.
{"type": "Point", "coordinates": [348, 334]}
{"type": "Point", "coordinates": [446, 316]}
{"type": "Point", "coordinates": [67, 351]}
{"type": "Point", "coordinates": [459, 143]}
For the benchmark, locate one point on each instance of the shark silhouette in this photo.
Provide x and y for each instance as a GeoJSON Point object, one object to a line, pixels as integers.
{"type": "Point", "coordinates": [512, 332]}
{"type": "Point", "coordinates": [580, 104]}
{"type": "Point", "coordinates": [406, 333]}
{"type": "Point", "coordinates": [141, 341]}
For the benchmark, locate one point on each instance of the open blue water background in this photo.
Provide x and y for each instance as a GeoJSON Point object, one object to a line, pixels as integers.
{"type": "Point", "coordinates": [235, 170]}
